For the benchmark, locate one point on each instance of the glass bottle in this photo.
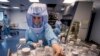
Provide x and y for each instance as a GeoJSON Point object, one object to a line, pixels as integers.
{"type": "Point", "coordinates": [48, 51]}
{"type": "Point", "coordinates": [39, 50]}
{"type": "Point", "coordinates": [22, 44]}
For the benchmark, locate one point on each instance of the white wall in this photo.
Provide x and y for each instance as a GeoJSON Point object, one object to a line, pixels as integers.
{"type": "Point", "coordinates": [95, 33]}
{"type": "Point", "coordinates": [82, 14]}
{"type": "Point", "coordinates": [18, 18]}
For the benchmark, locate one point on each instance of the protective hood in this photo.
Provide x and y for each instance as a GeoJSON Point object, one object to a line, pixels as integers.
{"type": "Point", "coordinates": [59, 16]}
{"type": "Point", "coordinates": [37, 9]}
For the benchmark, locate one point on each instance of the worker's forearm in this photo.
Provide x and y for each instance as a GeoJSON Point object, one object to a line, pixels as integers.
{"type": "Point", "coordinates": [30, 43]}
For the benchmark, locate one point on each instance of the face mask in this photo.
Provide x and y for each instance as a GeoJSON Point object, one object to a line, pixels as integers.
{"type": "Point", "coordinates": [37, 30]}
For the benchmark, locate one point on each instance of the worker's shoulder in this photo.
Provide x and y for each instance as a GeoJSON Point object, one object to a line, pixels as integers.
{"type": "Point", "coordinates": [47, 25]}
{"type": "Point", "coordinates": [28, 30]}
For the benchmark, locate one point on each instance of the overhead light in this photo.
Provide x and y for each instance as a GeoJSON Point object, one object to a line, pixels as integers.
{"type": "Point", "coordinates": [4, 7]}
{"type": "Point", "coordinates": [69, 1]}
{"type": "Point", "coordinates": [15, 7]}
{"type": "Point", "coordinates": [62, 9]}
{"type": "Point", "coordinates": [34, 0]}
{"type": "Point", "coordinates": [4, 1]}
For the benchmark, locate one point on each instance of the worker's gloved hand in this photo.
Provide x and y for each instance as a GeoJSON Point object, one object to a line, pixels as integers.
{"type": "Point", "coordinates": [35, 45]}
{"type": "Point", "coordinates": [38, 44]}
{"type": "Point", "coordinates": [58, 50]}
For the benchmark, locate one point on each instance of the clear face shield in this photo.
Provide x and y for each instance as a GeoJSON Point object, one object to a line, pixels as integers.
{"type": "Point", "coordinates": [37, 16]}
{"type": "Point", "coordinates": [37, 20]}
{"type": "Point", "coordinates": [37, 24]}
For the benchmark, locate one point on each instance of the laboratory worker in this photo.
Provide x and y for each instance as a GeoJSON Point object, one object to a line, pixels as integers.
{"type": "Point", "coordinates": [39, 29]}
{"type": "Point", "coordinates": [6, 28]}
{"type": "Point", "coordinates": [58, 24]}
